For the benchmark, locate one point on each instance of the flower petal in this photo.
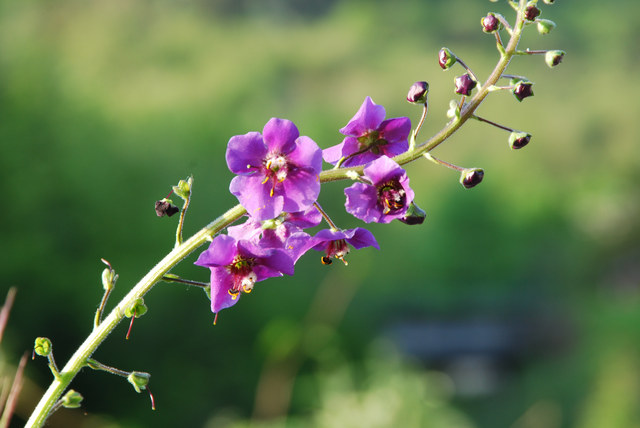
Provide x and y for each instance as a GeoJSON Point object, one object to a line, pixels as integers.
{"type": "Point", "coordinates": [245, 153]}
{"type": "Point", "coordinates": [280, 135]}
{"type": "Point", "coordinates": [255, 197]}
{"type": "Point", "coordinates": [383, 169]}
{"type": "Point", "coordinates": [300, 190]}
{"type": "Point", "coordinates": [220, 253]}
{"type": "Point", "coordinates": [221, 283]}
{"type": "Point", "coordinates": [368, 118]}
{"type": "Point", "coordinates": [306, 154]}
{"type": "Point", "coordinates": [362, 202]}
{"type": "Point", "coordinates": [362, 238]}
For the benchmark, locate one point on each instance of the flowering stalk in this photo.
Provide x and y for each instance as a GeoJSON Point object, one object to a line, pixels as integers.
{"type": "Point", "coordinates": [275, 177]}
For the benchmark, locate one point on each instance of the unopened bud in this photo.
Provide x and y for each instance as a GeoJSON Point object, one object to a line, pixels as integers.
{"type": "Point", "coordinates": [471, 177]}
{"type": "Point", "coordinates": [42, 346]}
{"type": "Point", "coordinates": [531, 12]}
{"type": "Point", "coordinates": [545, 26]}
{"type": "Point", "coordinates": [418, 93]}
{"type": "Point", "coordinates": [165, 207]}
{"type": "Point", "coordinates": [414, 215]}
{"type": "Point", "coordinates": [523, 90]}
{"type": "Point", "coordinates": [553, 58]}
{"type": "Point", "coordinates": [490, 23]}
{"type": "Point", "coordinates": [183, 189]}
{"type": "Point", "coordinates": [109, 277]}
{"type": "Point", "coordinates": [454, 110]}
{"type": "Point", "coordinates": [446, 58]}
{"type": "Point", "coordinates": [518, 140]}
{"type": "Point", "coordinates": [139, 380]}
{"type": "Point", "coordinates": [548, 1]}
{"type": "Point", "coordinates": [465, 84]}
{"type": "Point", "coordinates": [71, 400]}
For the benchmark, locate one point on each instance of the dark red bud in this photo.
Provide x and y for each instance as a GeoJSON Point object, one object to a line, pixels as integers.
{"type": "Point", "coordinates": [418, 93]}
{"type": "Point", "coordinates": [471, 177]}
{"type": "Point", "coordinates": [523, 90]}
{"type": "Point", "coordinates": [446, 58]}
{"type": "Point", "coordinates": [531, 13]}
{"type": "Point", "coordinates": [490, 23]}
{"type": "Point", "coordinates": [464, 84]}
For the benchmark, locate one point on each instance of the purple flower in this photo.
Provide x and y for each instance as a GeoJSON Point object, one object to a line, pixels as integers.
{"type": "Point", "coordinates": [276, 232]}
{"type": "Point", "coordinates": [386, 198]}
{"type": "Point", "coordinates": [334, 242]}
{"type": "Point", "coordinates": [369, 136]}
{"type": "Point", "coordinates": [277, 170]}
{"type": "Point", "coordinates": [236, 265]}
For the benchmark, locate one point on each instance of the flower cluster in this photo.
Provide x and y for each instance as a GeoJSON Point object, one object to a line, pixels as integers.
{"type": "Point", "coordinates": [277, 182]}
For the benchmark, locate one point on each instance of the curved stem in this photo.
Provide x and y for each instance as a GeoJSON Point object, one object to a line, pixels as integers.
{"type": "Point", "coordinates": [100, 333]}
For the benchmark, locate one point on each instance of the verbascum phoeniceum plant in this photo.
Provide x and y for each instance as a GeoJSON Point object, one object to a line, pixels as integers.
{"type": "Point", "coordinates": [278, 181]}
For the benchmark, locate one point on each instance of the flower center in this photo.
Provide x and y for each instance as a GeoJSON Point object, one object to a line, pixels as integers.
{"type": "Point", "coordinates": [276, 168]}
{"type": "Point", "coordinates": [392, 197]}
{"type": "Point", "coordinates": [244, 278]}
{"type": "Point", "coordinates": [337, 249]}
{"type": "Point", "coordinates": [371, 141]}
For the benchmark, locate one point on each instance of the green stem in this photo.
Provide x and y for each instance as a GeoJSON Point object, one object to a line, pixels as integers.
{"type": "Point", "coordinates": [100, 333]}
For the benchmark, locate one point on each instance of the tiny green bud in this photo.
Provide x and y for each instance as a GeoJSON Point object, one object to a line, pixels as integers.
{"type": "Point", "coordinates": [165, 207]}
{"type": "Point", "coordinates": [553, 58]}
{"type": "Point", "coordinates": [414, 215]}
{"type": "Point", "coordinates": [418, 93]}
{"type": "Point", "coordinates": [446, 58]}
{"type": "Point", "coordinates": [183, 189]}
{"type": "Point", "coordinates": [71, 400]}
{"type": "Point", "coordinates": [545, 26]}
{"type": "Point", "coordinates": [471, 177]}
{"type": "Point", "coordinates": [137, 309]}
{"type": "Point", "coordinates": [454, 110]}
{"type": "Point", "coordinates": [109, 278]}
{"type": "Point", "coordinates": [42, 346]}
{"type": "Point", "coordinates": [518, 140]}
{"type": "Point", "coordinates": [139, 380]}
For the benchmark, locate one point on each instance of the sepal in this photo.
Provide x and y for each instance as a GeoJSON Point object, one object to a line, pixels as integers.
{"type": "Point", "coordinates": [71, 400]}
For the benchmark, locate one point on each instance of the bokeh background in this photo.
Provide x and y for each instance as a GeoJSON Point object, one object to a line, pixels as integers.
{"type": "Point", "coordinates": [516, 304]}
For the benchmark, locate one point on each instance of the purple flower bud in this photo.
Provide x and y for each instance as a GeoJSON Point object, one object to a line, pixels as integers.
{"type": "Point", "coordinates": [518, 140]}
{"type": "Point", "coordinates": [465, 84]}
{"type": "Point", "coordinates": [531, 12]}
{"type": "Point", "coordinates": [553, 58]}
{"type": "Point", "coordinates": [471, 177]}
{"type": "Point", "coordinates": [446, 58]}
{"type": "Point", "coordinates": [418, 93]}
{"type": "Point", "coordinates": [523, 90]}
{"type": "Point", "coordinates": [490, 23]}
{"type": "Point", "coordinates": [414, 215]}
{"type": "Point", "coordinates": [165, 207]}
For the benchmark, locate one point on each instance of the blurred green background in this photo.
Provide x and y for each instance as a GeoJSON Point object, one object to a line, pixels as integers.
{"type": "Point", "coordinates": [516, 304]}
